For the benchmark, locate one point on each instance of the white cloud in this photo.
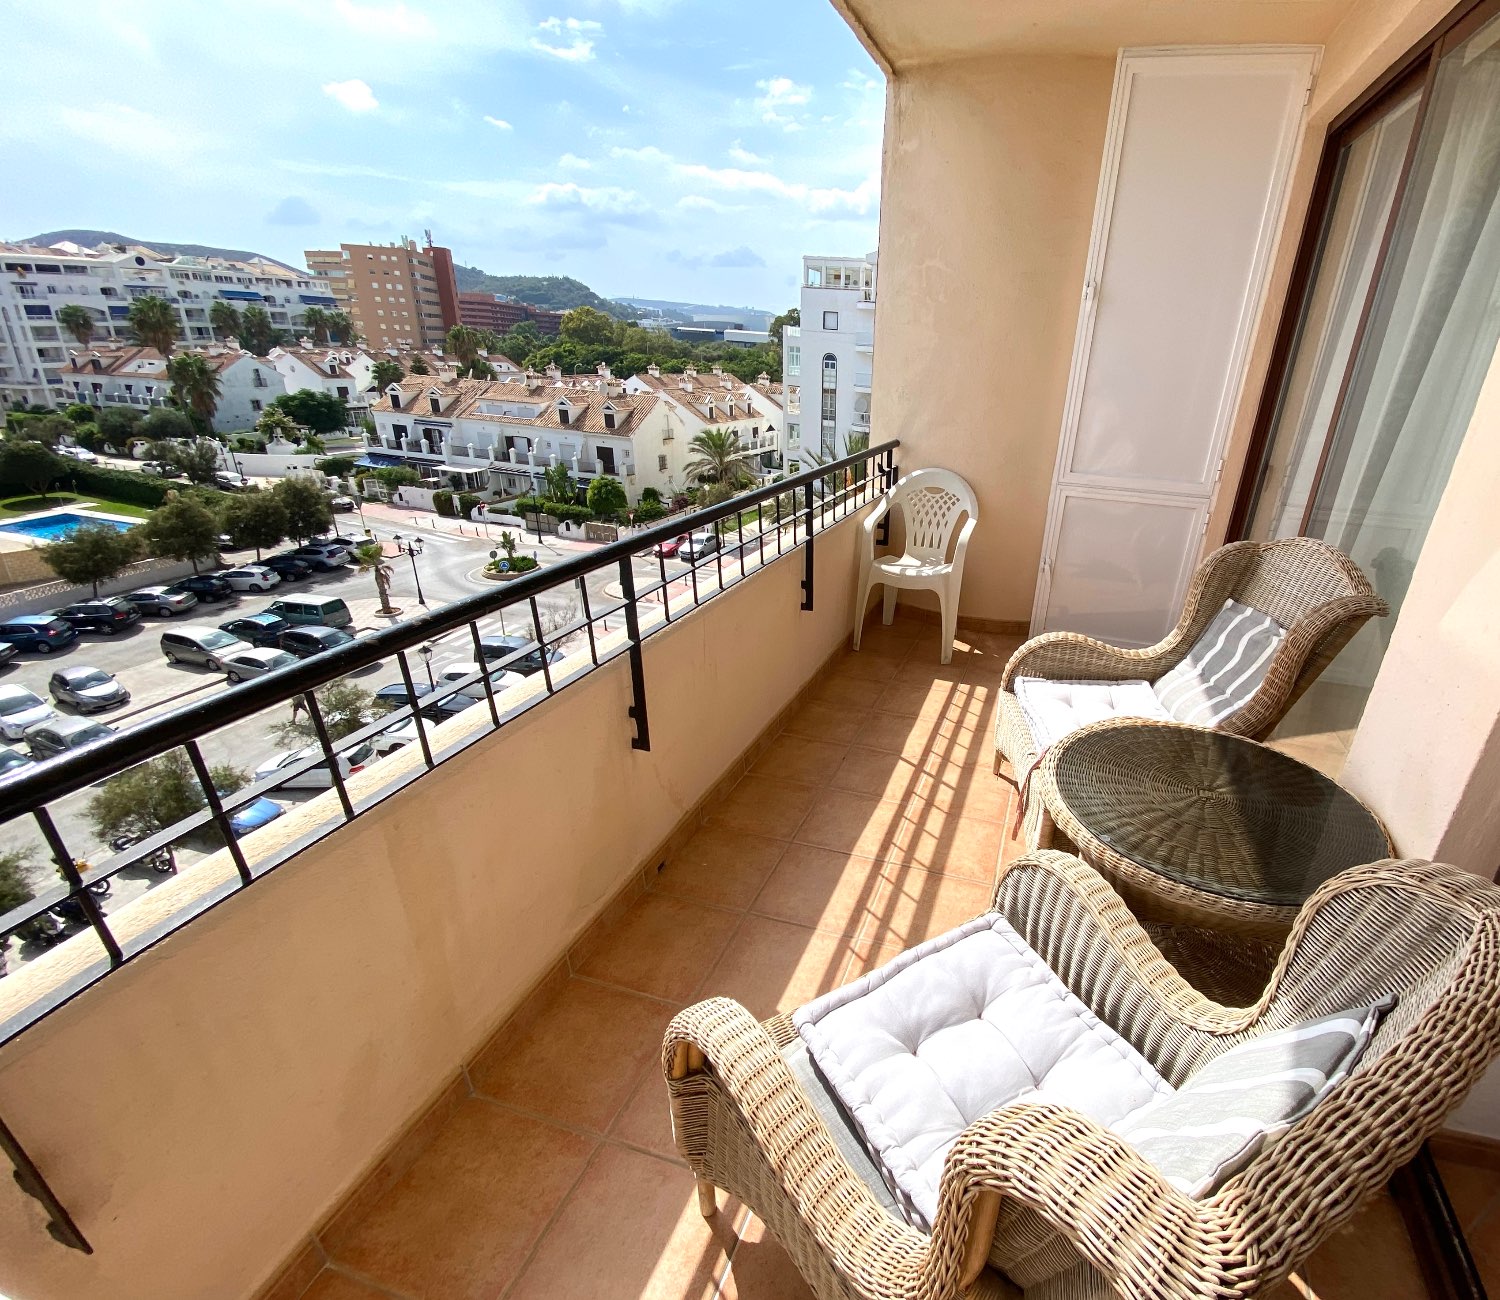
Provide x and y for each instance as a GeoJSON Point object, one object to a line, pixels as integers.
{"type": "Point", "coordinates": [779, 94]}
{"type": "Point", "coordinates": [120, 129]}
{"type": "Point", "coordinates": [603, 198]}
{"type": "Point", "coordinates": [397, 21]}
{"type": "Point", "coordinates": [571, 162]}
{"type": "Point", "coordinates": [647, 153]}
{"type": "Point", "coordinates": [702, 203]}
{"type": "Point", "coordinates": [744, 157]}
{"type": "Point", "coordinates": [354, 95]}
{"type": "Point", "coordinates": [499, 123]}
{"type": "Point", "coordinates": [579, 49]}
{"type": "Point", "coordinates": [557, 26]}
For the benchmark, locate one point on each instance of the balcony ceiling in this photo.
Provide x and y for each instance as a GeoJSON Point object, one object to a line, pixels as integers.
{"type": "Point", "coordinates": [906, 33]}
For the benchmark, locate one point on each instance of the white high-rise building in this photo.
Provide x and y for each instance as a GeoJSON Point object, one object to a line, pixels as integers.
{"type": "Point", "coordinates": [828, 362]}
{"type": "Point", "coordinates": [36, 283]}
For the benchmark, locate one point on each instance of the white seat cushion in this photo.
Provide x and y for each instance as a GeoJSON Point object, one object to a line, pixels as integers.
{"type": "Point", "coordinates": [1053, 709]}
{"type": "Point", "coordinates": [953, 1029]}
{"type": "Point", "coordinates": [1225, 667]}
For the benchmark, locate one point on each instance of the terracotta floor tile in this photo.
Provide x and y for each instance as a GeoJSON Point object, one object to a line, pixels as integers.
{"type": "Point", "coordinates": [646, 1120]}
{"type": "Point", "coordinates": [820, 888]}
{"type": "Point", "coordinates": [720, 865]}
{"type": "Point", "coordinates": [800, 758]}
{"type": "Point", "coordinates": [844, 693]}
{"type": "Point", "coordinates": [914, 905]}
{"type": "Point", "coordinates": [760, 1268]}
{"type": "Point", "coordinates": [956, 701]}
{"type": "Point", "coordinates": [866, 953]}
{"type": "Point", "coordinates": [460, 1223]}
{"type": "Point", "coordinates": [1472, 1189]}
{"type": "Point", "coordinates": [885, 642]}
{"type": "Point", "coordinates": [923, 739]}
{"type": "Point", "coordinates": [763, 806]}
{"type": "Point", "coordinates": [867, 667]}
{"type": "Point", "coordinates": [579, 1059]}
{"type": "Point", "coordinates": [853, 823]}
{"type": "Point", "coordinates": [969, 791]}
{"type": "Point", "coordinates": [956, 846]}
{"type": "Point", "coordinates": [663, 947]}
{"type": "Point", "coordinates": [877, 772]}
{"type": "Point", "coordinates": [631, 1229]}
{"type": "Point", "coordinates": [831, 722]}
{"type": "Point", "coordinates": [331, 1285]}
{"type": "Point", "coordinates": [1370, 1258]}
{"type": "Point", "coordinates": [773, 966]}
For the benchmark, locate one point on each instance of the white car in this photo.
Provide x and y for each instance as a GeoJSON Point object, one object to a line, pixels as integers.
{"type": "Point", "coordinates": [230, 482]}
{"type": "Point", "coordinates": [79, 453]}
{"type": "Point", "coordinates": [245, 664]}
{"type": "Point", "coordinates": [251, 577]}
{"type": "Point", "coordinates": [20, 709]}
{"type": "Point", "coordinates": [394, 738]}
{"type": "Point", "coordinates": [318, 776]}
{"type": "Point", "coordinates": [500, 679]}
{"type": "Point", "coordinates": [698, 545]}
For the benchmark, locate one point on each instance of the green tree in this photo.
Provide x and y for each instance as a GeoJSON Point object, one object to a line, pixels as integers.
{"type": "Point", "coordinates": [117, 425]}
{"type": "Point", "coordinates": [315, 322]}
{"type": "Point", "coordinates": [198, 460]}
{"type": "Point", "coordinates": [479, 368]}
{"type": "Point", "coordinates": [397, 476]}
{"type": "Point", "coordinates": [196, 385]}
{"type": "Point", "coordinates": [345, 708]}
{"type": "Point", "coordinates": [153, 322]}
{"type": "Point", "coordinates": [30, 464]}
{"type": "Point", "coordinates": [560, 485]}
{"type": "Point", "coordinates": [384, 373]}
{"type": "Point", "coordinates": [226, 320]}
{"type": "Point", "coordinates": [311, 442]}
{"type": "Point", "coordinates": [182, 528]}
{"type": "Point", "coordinates": [464, 342]}
{"type": "Point", "coordinates": [337, 466]}
{"type": "Point", "coordinates": [319, 412]}
{"type": "Point", "coordinates": [306, 506]}
{"type": "Point", "coordinates": [166, 425]}
{"type": "Point", "coordinates": [651, 495]}
{"type": "Point", "coordinates": [257, 519]}
{"type": "Point", "coordinates": [370, 556]}
{"type": "Point", "coordinates": [256, 331]}
{"type": "Point", "coordinates": [80, 413]}
{"type": "Point", "coordinates": [275, 422]}
{"type": "Point", "coordinates": [15, 888]}
{"type": "Point", "coordinates": [44, 429]}
{"type": "Point", "coordinates": [792, 316]}
{"type": "Point", "coordinates": [718, 458]}
{"type": "Point", "coordinates": [419, 365]}
{"type": "Point", "coordinates": [606, 497]}
{"type": "Point", "coordinates": [92, 553]}
{"type": "Point", "coordinates": [78, 321]}
{"type": "Point", "coordinates": [341, 327]}
{"type": "Point", "coordinates": [587, 325]}
{"type": "Point", "coordinates": [158, 794]}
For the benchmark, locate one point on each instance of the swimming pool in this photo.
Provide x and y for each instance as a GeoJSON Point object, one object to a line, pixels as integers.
{"type": "Point", "coordinates": [48, 528]}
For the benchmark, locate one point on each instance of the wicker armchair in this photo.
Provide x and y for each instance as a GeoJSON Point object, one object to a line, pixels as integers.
{"type": "Point", "coordinates": [1040, 1198]}
{"type": "Point", "coordinates": [1315, 592]}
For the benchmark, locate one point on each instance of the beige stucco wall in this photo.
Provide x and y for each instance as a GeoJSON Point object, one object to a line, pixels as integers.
{"type": "Point", "coordinates": [991, 167]}
{"type": "Point", "coordinates": [202, 1108]}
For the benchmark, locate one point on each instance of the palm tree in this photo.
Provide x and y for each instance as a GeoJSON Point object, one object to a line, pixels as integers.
{"type": "Point", "coordinates": [370, 556]}
{"type": "Point", "coordinates": [464, 342]}
{"type": "Point", "coordinates": [315, 321]}
{"type": "Point", "coordinates": [226, 320]}
{"type": "Point", "coordinates": [154, 322]}
{"type": "Point", "coordinates": [276, 423]}
{"type": "Point", "coordinates": [195, 384]}
{"type": "Point", "coordinates": [341, 327]}
{"type": "Point", "coordinates": [719, 459]}
{"type": "Point", "coordinates": [78, 321]}
{"type": "Point", "coordinates": [384, 373]}
{"type": "Point", "coordinates": [259, 335]}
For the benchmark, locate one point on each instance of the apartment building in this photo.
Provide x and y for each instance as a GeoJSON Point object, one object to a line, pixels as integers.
{"type": "Point", "coordinates": [393, 292]}
{"type": "Point", "coordinates": [38, 282]}
{"type": "Point", "coordinates": [126, 374]}
{"type": "Point", "coordinates": [828, 362]}
{"type": "Point", "coordinates": [697, 401]}
{"type": "Point", "coordinates": [342, 372]}
{"type": "Point", "coordinates": [485, 311]}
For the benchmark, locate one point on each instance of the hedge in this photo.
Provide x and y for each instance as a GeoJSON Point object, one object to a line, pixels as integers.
{"type": "Point", "coordinates": [566, 514]}
{"type": "Point", "coordinates": [466, 503]}
{"type": "Point", "coordinates": [442, 502]}
{"type": "Point", "coordinates": [649, 511]}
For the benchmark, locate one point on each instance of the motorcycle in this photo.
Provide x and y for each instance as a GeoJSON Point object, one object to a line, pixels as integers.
{"type": "Point", "coordinates": [162, 861]}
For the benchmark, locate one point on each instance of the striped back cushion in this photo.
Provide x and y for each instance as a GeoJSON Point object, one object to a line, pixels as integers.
{"type": "Point", "coordinates": [1241, 1102]}
{"type": "Point", "coordinates": [1225, 667]}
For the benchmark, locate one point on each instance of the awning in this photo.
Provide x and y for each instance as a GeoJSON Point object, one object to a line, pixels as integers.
{"type": "Point", "coordinates": [316, 300]}
{"type": "Point", "coordinates": [374, 460]}
{"type": "Point", "coordinates": [243, 295]}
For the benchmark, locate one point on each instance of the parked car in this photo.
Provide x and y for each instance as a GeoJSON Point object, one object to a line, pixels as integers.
{"type": "Point", "coordinates": [160, 468]}
{"type": "Point", "coordinates": [500, 679]}
{"type": "Point", "coordinates": [89, 690]}
{"type": "Point", "coordinates": [318, 776]}
{"type": "Point", "coordinates": [161, 601]}
{"type": "Point", "coordinates": [230, 481]}
{"type": "Point", "coordinates": [109, 615]}
{"type": "Point", "coordinates": [342, 505]}
{"type": "Point", "coordinates": [312, 611]}
{"type": "Point", "coordinates": [668, 550]}
{"type": "Point", "coordinates": [290, 568]}
{"type": "Point", "coordinates": [258, 629]}
{"type": "Point", "coordinates": [698, 545]}
{"type": "Point", "coordinates": [199, 644]}
{"type": "Point", "coordinates": [82, 454]}
{"type": "Point", "coordinates": [251, 577]}
{"type": "Point", "coordinates": [13, 760]}
{"type": "Point", "coordinates": [254, 815]}
{"type": "Point", "coordinates": [341, 540]}
{"type": "Point", "coordinates": [323, 558]}
{"type": "Point", "coordinates": [304, 642]}
{"type": "Point", "coordinates": [42, 633]}
{"type": "Point", "coordinates": [206, 586]}
{"type": "Point", "coordinates": [498, 647]}
{"type": "Point", "coordinates": [19, 709]}
{"type": "Point", "coordinates": [394, 695]}
{"type": "Point", "coordinates": [59, 735]}
{"type": "Point", "coordinates": [242, 665]}
{"type": "Point", "coordinates": [7, 652]}
{"type": "Point", "coordinates": [392, 738]}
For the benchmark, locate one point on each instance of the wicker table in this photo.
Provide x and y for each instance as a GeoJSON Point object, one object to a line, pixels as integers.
{"type": "Point", "coordinates": [1213, 840]}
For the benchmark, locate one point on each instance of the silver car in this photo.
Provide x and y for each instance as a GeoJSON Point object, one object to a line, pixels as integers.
{"type": "Point", "coordinates": [242, 665]}
{"type": "Point", "coordinates": [197, 644]}
{"type": "Point", "coordinates": [19, 709]}
{"type": "Point", "coordinates": [89, 690]}
{"type": "Point", "coordinates": [161, 602]}
{"type": "Point", "coordinates": [698, 545]}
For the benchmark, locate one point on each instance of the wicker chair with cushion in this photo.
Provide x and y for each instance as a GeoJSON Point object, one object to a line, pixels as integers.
{"type": "Point", "coordinates": [1310, 599]}
{"type": "Point", "coordinates": [1037, 1198]}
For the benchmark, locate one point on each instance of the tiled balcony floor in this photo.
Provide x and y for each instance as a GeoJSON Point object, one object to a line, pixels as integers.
{"type": "Point", "coordinates": [871, 823]}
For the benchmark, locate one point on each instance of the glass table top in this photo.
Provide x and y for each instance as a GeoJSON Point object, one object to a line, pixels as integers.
{"type": "Point", "coordinates": [1215, 812]}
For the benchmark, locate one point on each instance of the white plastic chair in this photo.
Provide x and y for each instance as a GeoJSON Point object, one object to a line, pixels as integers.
{"type": "Point", "coordinates": [931, 501]}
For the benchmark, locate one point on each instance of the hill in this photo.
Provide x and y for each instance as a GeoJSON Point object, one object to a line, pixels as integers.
{"type": "Point", "coordinates": [552, 292]}
{"type": "Point", "coordinates": [89, 238]}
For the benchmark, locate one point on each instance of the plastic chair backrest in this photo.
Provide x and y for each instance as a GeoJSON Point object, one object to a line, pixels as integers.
{"type": "Point", "coordinates": [932, 502]}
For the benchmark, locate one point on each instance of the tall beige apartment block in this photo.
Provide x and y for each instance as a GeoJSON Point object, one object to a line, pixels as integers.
{"type": "Point", "coordinates": [392, 291]}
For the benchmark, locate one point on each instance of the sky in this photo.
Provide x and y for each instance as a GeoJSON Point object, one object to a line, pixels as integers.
{"type": "Point", "coordinates": [675, 149]}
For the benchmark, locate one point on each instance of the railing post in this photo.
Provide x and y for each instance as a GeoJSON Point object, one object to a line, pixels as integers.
{"type": "Point", "coordinates": [60, 1225]}
{"type": "Point", "coordinates": [637, 711]}
{"type": "Point", "coordinates": [807, 559]}
{"type": "Point", "coordinates": [887, 481]}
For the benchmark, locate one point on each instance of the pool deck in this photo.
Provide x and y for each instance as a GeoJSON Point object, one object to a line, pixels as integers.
{"type": "Point", "coordinates": [14, 538]}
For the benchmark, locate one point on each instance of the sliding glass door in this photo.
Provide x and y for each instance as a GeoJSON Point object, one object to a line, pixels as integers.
{"type": "Point", "coordinates": [1395, 328]}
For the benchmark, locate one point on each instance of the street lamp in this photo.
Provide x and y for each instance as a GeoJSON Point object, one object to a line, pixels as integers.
{"type": "Point", "coordinates": [412, 548]}
{"type": "Point", "coordinates": [425, 650]}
